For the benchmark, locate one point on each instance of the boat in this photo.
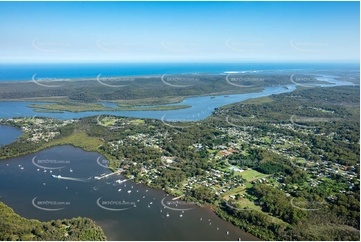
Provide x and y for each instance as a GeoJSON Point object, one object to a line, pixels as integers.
{"type": "Point", "coordinates": [167, 214]}
{"type": "Point", "coordinates": [71, 170]}
{"type": "Point", "coordinates": [180, 215]}
{"type": "Point", "coordinates": [129, 191]}
{"type": "Point", "coordinates": [151, 203]}
{"type": "Point", "coordinates": [22, 168]}
{"type": "Point", "coordinates": [38, 169]}
{"type": "Point", "coordinates": [119, 190]}
{"type": "Point", "coordinates": [227, 232]}
{"type": "Point", "coordinates": [56, 176]}
{"type": "Point", "coordinates": [51, 171]}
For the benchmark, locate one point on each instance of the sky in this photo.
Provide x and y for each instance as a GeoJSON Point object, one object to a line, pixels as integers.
{"type": "Point", "coordinates": [44, 32]}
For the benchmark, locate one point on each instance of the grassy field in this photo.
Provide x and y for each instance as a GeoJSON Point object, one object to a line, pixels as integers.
{"type": "Point", "coordinates": [107, 121]}
{"type": "Point", "coordinates": [137, 121]}
{"type": "Point", "coordinates": [245, 203]}
{"type": "Point", "coordinates": [81, 140]}
{"type": "Point", "coordinates": [251, 175]}
{"type": "Point", "coordinates": [239, 190]}
{"type": "Point", "coordinates": [88, 107]}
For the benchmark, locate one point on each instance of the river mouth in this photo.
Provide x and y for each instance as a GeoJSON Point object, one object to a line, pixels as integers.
{"type": "Point", "coordinates": [121, 209]}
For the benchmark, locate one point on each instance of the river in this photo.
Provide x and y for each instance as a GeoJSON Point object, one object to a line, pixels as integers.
{"type": "Point", "coordinates": [33, 193]}
{"type": "Point", "coordinates": [29, 188]}
{"type": "Point", "coordinates": [8, 134]}
{"type": "Point", "coordinates": [201, 107]}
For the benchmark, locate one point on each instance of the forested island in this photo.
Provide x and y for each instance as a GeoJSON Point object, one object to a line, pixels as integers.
{"type": "Point", "coordinates": [283, 167]}
{"type": "Point", "coordinates": [149, 90]}
{"type": "Point", "coordinates": [13, 227]}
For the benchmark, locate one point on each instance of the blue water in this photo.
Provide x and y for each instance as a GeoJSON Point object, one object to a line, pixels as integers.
{"type": "Point", "coordinates": [8, 134]}
{"type": "Point", "coordinates": [21, 186]}
{"type": "Point", "coordinates": [21, 72]}
{"type": "Point", "coordinates": [201, 107]}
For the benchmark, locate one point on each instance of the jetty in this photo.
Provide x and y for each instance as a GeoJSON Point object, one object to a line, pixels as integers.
{"type": "Point", "coordinates": [176, 198]}
{"type": "Point", "coordinates": [109, 174]}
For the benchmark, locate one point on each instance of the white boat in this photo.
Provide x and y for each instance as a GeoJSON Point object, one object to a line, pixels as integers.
{"type": "Point", "coordinates": [129, 191]}
{"type": "Point", "coordinates": [146, 190]}
{"type": "Point", "coordinates": [180, 215]}
{"type": "Point", "coordinates": [44, 170]}
{"type": "Point", "coordinates": [71, 170]}
{"type": "Point", "coordinates": [151, 203]}
{"type": "Point", "coordinates": [22, 168]}
{"type": "Point", "coordinates": [38, 169]}
{"type": "Point", "coordinates": [167, 214]}
{"type": "Point", "coordinates": [227, 232]}
{"type": "Point", "coordinates": [119, 190]}
{"type": "Point", "coordinates": [51, 171]}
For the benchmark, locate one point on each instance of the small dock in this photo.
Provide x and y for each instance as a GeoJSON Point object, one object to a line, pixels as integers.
{"type": "Point", "coordinates": [108, 175]}
{"type": "Point", "coordinates": [176, 198]}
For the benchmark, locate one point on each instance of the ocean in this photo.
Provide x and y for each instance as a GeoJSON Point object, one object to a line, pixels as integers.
{"type": "Point", "coordinates": [25, 72]}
